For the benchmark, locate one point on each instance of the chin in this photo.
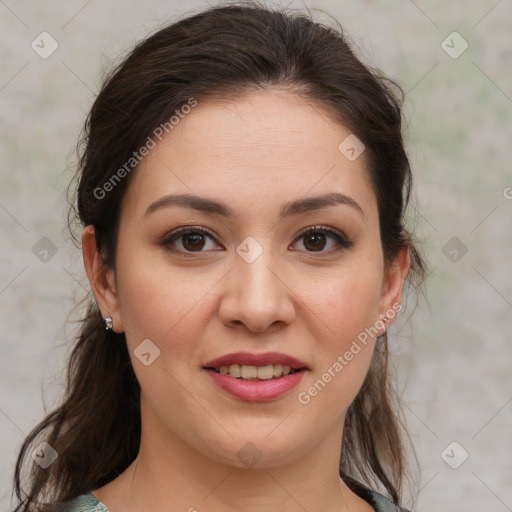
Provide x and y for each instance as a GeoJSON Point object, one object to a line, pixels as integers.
{"type": "Point", "coordinates": [259, 451]}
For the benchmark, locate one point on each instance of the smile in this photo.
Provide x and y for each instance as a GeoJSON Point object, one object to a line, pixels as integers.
{"type": "Point", "coordinates": [256, 373]}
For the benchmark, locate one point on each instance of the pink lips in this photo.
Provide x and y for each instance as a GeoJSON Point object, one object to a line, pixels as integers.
{"type": "Point", "coordinates": [256, 391]}
{"type": "Point", "coordinates": [255, 360]}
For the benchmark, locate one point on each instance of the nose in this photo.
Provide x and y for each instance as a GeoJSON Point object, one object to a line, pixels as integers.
{"type": "Point", "coordinates": [257, 295]}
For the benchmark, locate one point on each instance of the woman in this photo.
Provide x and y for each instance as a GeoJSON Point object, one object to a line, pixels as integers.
{"type": "Point", "coordinates": [242, 189]}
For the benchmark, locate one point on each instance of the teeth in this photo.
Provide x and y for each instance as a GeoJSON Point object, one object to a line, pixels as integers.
{"type": "Point", "coordinates": [266, 372]}
{"type": "Point", "coordinates": [235, 370]}
{"type": "Point", "coordinates": [247, 372]}
{"type": "Point", "coordinates": [278, 370]}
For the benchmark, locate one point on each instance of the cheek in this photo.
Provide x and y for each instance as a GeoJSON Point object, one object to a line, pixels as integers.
{"type": "Point", "coordinates": [345, 305]}
{"type": "Point", "coordinates": [162, 303]}
{"type": "Point", "coordinates": [168, 307]}
{"type": "Point", "coordinates": [345, 309]}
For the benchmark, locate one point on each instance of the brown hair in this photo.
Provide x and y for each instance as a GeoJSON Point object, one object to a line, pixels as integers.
{"type": "Point", "coordinates": [222, 52]}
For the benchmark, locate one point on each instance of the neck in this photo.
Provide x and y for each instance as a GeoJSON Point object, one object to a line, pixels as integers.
{"type": "Point", "coordinates": [169, 474]}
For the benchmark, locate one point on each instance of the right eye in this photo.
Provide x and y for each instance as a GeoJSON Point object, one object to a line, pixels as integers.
{"type": "Point", "coordinates": [190, 238]}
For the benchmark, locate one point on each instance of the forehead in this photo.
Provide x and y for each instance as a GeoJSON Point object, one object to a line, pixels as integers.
{"type": "Point", "coordinates": [267, 146]}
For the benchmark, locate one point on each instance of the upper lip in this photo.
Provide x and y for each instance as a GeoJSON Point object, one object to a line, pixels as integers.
{"type": "Point", "coordinates": [246, 358]}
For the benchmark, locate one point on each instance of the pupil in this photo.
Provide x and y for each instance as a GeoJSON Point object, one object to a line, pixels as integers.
{"type": "Point", "coordinates": [317, 238]}
{"type": "Point", "coordinates": [198, 241]}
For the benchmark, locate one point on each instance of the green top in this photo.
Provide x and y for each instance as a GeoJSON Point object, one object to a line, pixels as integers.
{"type": "Point", "coordinates": [88, 503]}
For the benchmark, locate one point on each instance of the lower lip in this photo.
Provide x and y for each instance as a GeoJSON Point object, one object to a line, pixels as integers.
{"type": "Point", "coordinates": [256, 391]}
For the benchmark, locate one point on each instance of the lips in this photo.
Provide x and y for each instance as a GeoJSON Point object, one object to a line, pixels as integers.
{"type": "Point", "coordinates": [246, 358]}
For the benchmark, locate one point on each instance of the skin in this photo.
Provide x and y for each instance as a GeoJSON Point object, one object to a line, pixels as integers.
{"type": "Point", "coordinates": [254, 154]}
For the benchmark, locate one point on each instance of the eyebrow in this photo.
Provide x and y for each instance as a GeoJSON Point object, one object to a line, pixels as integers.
{"type": "Point", "coordinates": [292, 208]}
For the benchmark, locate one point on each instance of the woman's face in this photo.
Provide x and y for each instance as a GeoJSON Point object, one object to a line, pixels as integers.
{"type": "Point", "coordinates": [276, 271]}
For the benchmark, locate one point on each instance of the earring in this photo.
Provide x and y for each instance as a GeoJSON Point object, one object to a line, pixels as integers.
{"type": "Point", "coordinates": [109, 323]}
{"type": "Point", "coordinates": [385, 319]}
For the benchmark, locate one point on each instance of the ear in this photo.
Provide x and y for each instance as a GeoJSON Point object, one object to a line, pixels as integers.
{"type": "Point", "coordinates": [393, 285]}
{"type": "Point", "coordinates": [102, 279]}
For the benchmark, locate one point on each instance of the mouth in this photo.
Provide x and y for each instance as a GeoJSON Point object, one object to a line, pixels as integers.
{"type": "Point", "coordinates": [256, 367]}
{"type": "Point", "coordinates": [256, 377]}
{"type": "Point", "coordinates": [251, 373]}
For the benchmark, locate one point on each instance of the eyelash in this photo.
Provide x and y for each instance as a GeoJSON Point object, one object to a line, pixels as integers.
{"type": "Point", "coordinates": [340, 238]}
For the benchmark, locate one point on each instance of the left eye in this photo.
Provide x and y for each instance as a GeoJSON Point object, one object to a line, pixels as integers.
{"type": "Point", "coordinates": [315, 239]}
{"type": "Point", "coordinates": [195, 239]}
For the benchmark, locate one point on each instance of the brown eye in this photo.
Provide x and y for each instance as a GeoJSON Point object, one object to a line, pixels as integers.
{"type": "Point", "coordinates": [317, 239]}
{"type": "Point", "coordinates": [193, 241]}
{"type": "Point", "coordinates": [187, 239]}
{"type": "Point", "coordinates": [190, 240]}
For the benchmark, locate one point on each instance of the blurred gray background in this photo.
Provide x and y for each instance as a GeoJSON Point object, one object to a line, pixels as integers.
{"type": "Point", "coordinates": [453, 356]}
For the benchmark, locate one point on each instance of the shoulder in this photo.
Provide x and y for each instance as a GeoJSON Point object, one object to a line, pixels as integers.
{"type": "Point", "coordinates": [84, 503]}
{"type": "Point", "coordinates": [378, 501]}
{"type": "Point", "coordinates": [383, 504]}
